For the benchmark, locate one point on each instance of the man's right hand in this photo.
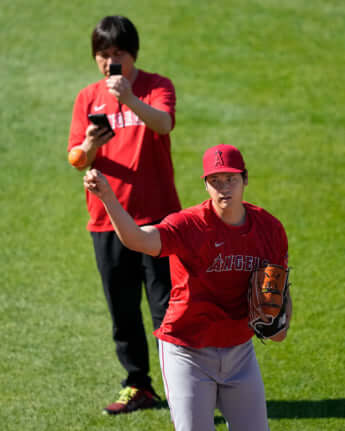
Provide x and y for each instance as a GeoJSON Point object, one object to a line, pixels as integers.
{"type": "Point", "coordinates": [96, 136]}
{"type": "Point", "coordinates": [96, 183]}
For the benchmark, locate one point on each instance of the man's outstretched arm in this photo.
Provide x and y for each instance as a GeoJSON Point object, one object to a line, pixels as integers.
{"type": "Point", "coordinates": [144, 239]}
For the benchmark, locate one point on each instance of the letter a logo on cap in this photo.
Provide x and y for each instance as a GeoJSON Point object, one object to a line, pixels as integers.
{"type": "Point", "coordinates": [222, 158]}
{"type": "Point", "coordinates": [218, 159]}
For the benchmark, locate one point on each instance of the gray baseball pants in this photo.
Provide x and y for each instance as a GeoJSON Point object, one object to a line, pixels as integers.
{"type": "Point", "coordinates": [197, 381]}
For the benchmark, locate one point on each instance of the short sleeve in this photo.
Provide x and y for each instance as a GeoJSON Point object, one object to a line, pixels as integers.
{"type": "Point", "coordinates": [171, 231]}
{"type": "Point", "coordinates": [283, 246]}
{"type": "Point", "coordinates": [79, 121]}
{"type": "Point", "coordinates": [163, 96]}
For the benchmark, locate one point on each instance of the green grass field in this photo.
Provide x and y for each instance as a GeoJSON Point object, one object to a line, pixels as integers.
{"type": "Point", "coordinates": [264, 75]}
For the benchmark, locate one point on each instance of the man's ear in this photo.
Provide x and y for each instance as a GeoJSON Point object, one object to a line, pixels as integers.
{"type": "Point", "coordinates": [245, 179]}
{"type": "Point", "coordinates": [206, 184]}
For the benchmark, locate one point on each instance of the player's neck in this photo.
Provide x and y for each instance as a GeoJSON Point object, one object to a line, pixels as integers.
{"type": "Point", "coordinates": [233, 216]}
{"type": "Point", "coordinates": [133, 75]}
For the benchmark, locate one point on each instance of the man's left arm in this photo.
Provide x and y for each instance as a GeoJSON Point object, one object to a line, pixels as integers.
{"type": "Point", "coordinates": [155, 119]}
{"type": "Point", "coordinates": [288, 307]}
{"type": "Point", "coordinates": [156, 116]}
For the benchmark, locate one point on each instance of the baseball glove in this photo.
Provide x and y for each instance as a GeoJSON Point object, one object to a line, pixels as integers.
{"type": "Point", "coordinates": [267, 297]}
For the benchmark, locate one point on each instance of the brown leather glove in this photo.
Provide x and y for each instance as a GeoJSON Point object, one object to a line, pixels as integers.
{"type": "Point", "coordinates": [267, 298]}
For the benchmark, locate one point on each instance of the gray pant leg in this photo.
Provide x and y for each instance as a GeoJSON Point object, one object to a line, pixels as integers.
{"type": "Point", "coordinates": [198, 380]}
{"type": "Point", "coordinates": [241, 397]}
{"type": "Point", "coordinates": [190, 392]}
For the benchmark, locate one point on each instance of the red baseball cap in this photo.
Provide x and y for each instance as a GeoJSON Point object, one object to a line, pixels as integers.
{"type": "Point", "coordinates": [222, 158]}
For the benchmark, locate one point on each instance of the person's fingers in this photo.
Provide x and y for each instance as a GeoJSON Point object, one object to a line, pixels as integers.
{"type": "Point", "coordinates": [114, 81]}
{"type": "Point", "coordinates": [90, 176]}
{"type": "Point", "coordinates": [92, 130]}
{"type": "Point", "coordinates": [117, 85]}
{"type": "Point", "coordinates": [87, 184]}
{"type": "Point", "coordinates": [98, 135]}
{"type": "Point", "coordinates": [90, 185]}
{"type": "Point", "coordinates": [101, 137]}
{"type": "Point", "coordinates": [106, 135]}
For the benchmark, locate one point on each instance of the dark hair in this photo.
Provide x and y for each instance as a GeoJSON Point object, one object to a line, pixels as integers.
{"type": "Point", "coordinates": [244, 174]}
{"type": "Point", "coordinates": [116, 31]}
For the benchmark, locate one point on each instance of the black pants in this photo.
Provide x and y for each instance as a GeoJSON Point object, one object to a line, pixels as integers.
{"type": "Point", "coordinates": [123, 271]}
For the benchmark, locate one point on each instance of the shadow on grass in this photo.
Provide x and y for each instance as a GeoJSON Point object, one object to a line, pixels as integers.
{"type": "Point", "coordinates": [163, 404]}
{"type": "Point", "coordinates": [301, 409]}
{"type": "Point", "coordinates": [307, 409]}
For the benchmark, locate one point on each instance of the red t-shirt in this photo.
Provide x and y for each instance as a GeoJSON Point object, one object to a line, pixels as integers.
{"type": "Point", "coordinates": [211, 263]}
{"type": "Point", "coordinates": [137, 161]}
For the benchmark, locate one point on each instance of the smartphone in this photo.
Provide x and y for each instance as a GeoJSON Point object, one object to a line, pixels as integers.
{"type": "Point", "coordinates": [102, 121]}
{"type": "Point", "coordinates": [115, 69]}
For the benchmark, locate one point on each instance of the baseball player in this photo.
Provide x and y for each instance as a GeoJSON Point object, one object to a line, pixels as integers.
{"type": "Point", "coordinates": [140, 107]}
{"type": "Point", "coordinates": [206, 352]}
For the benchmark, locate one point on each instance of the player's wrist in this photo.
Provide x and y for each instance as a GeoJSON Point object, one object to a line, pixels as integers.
{"type": "Point", "coordinates": [87, 145]}
{"type": "Point", "coordinates": [108, 197]}
{"type": "Point", "coordinates": [132, 101]}
{"type": "Point", "coordinates": [280, 337]}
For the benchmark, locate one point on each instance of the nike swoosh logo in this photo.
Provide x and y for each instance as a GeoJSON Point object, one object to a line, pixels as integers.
{"type": "Point", "coordinates": [98, 108]}
{"type": "Point", "coordinates": [218, 244]}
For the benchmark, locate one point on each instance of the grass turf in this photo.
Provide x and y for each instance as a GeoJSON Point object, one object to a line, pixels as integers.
{"type": "Point", "coordinates": [263, 75]}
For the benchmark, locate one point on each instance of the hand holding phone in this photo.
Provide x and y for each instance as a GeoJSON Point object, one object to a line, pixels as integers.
{"type": "Point", "coordinates": [101, 120]}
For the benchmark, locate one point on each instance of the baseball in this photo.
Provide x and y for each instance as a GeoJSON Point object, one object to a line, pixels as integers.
{"type": "Point", "coordinates": [77, 157]}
